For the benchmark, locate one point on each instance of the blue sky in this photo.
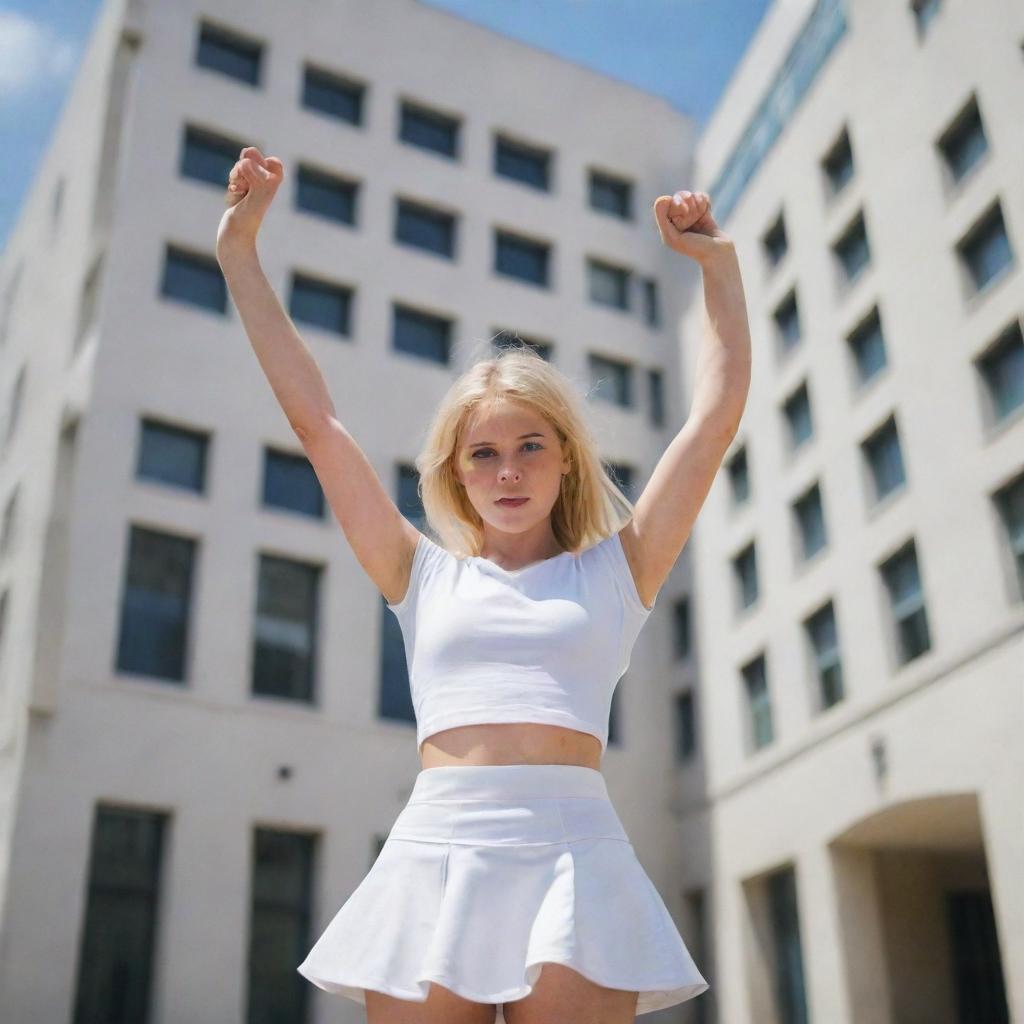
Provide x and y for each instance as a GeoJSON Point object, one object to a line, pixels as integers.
{"type": "Point", "coordinates": [684, 50]}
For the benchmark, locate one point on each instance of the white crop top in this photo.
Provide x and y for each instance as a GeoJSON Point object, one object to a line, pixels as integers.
{"type": "Point", "coordinates": [545, 643]}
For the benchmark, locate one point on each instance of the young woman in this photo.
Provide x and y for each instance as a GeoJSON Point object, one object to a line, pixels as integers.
{"type": "Point", "coordinates": [508, 889]}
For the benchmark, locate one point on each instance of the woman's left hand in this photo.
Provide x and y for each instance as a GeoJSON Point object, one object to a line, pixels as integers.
{"type": "Point", "coordinates": [687, 227]}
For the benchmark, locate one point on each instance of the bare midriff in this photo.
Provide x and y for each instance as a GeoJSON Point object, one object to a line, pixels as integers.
{"type": "Point", "coordinates": [511, 743]}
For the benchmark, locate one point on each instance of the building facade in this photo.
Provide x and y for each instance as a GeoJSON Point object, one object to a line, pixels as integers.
{"type": "Point", "coordinates": [858, 567]}
{"type": "Point", "coordinates": [207, 729]}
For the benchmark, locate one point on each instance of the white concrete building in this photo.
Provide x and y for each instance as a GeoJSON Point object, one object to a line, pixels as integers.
{"type": "Point", "coordinates": [206, 727]}
{"type": "Point", "coordinates": [858, 569]}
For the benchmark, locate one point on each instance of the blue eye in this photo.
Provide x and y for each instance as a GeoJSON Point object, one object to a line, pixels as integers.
{"type": "Point", "coordinates": [480, 451]}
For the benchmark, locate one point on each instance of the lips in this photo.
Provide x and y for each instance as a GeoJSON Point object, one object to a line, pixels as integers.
{"type": "Point", "coordinates": [512, 502]}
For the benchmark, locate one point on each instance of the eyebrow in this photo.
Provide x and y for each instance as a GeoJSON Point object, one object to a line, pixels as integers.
{"type": "Point", "coordinates": [478, 444]}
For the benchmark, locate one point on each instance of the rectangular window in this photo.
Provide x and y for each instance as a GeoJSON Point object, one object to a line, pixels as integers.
{"type": "Point", "coordinates": [906, 603]}
{"type": "Point", "coordinates": [1009, 501]}
{"type": "Point", "coordinates": [760, 731]}
{"type": "Point", "coordinates": [838, 164]}
{"type": "Point", "coordinates": [609, 194]}
{"type": "Point", "coordinates": [652, 314]}
{"type": "Point", "coordinates": [885, 460]}
{"type": "Point", "coordinates": [207, 156]}
{"type": "Point", "coordinates": [325, 195]}
{"type": "Point", "coordinates": [280, 912]}
{"type": "Point", "coordinates": [739, 478]}
{"type": "Point", "coordinates": [1002, 370]}
{"type": "Point", "coordinates": [686, 733]}
{"type": "Point", "coordinates": [521, 258]}
{"type": "Point", "coordinates": [155, 604]}
{"type": "Point", "coordinates": [421, 334]}
{"type": "Point", "coordinates": [285, 628]}
{"type": "Point", "coordinates": [610, 380]}
{"type": "Point", "coordinates": [788, 966]}
{"type": "Point", "coordinates": [428, 129]}
{"type": "Point", "coordinates": [194, 279]}
{"type": "Point", "coordinates": [425, 228]}
{"type": "Point", "coordinates": [985, 249]}
{"type": "Point", "coordinates": [229, 53]}
{"type": "Point", "coordinates": [622, 476]}
{"type": "Point", "coordinates": [852, 249]}
{"type": "Point", "coordinates": [681, 628]}
{"type": "Point", "coordinates": [608, 285]}
{"type": "Point", "coordinates": [332, 94]}
{"type": "Point", "coordinates": [172, 455]}
{"type": "Point", "coordinates": [656, 396]}
{"type": "Point", "coordinates": [289, 482]}
{"type": "Point", "coordinates": [797, 410]}
{"type": "Point", "coordinates": [810, 519]}
{"type": "Point", "coordinates": [521, 162]}
{"type": "Point", "coordinates": [774, 243]}
{"type": "Point", "coordinates": [924, 12]}
{"type": "Point", "coordinates": [821, 632]}
{"type": "Point", "coordinates": [787, 323]}
{"type": "Point", "coordinates": [117, 948]}
{"type": "Point", "coordinates": [320, 303]}
{"type": "Point", "coordinates": [963, 144]}
{"type": "Point", "coordinates": [744, 567]}
{"type": "Point", "coordinates": [867, 344]}
{"type": "Point", "coordinates": [513, 339]}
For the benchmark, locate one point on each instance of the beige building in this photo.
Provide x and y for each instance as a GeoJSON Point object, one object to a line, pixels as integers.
{"type": "Point", "coordinates": [206, 726]}
{"type": "Point", "coordinates": [858, 568]}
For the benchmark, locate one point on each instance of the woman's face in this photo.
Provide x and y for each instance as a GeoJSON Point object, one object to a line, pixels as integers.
{"type": "Point", "coordinates": [509, 450]}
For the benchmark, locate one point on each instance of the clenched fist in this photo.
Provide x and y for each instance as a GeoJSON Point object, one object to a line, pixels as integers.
{"type": "Point", "coordinates": [686, 225]}
{"type": "Point", "coordinates": [252, 185]}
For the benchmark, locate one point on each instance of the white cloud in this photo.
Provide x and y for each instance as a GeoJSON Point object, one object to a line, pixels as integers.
{"type": "Point", "coordinates": [31, 54]}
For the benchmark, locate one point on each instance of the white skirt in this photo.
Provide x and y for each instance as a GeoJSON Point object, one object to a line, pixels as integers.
{"type": "Point", "coordinates": [488, 873]}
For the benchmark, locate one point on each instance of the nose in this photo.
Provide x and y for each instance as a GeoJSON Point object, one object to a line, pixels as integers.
{"type": "Point", "coordinates": [508, 473]}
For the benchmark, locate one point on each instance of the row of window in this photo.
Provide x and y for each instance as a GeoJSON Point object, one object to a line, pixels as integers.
{"type": "Point", "coordinates": [241, 57]}
{"type": "Point", "coordinates": [196, 279]}
{"type": "Point", "coordinates": [208, 157]}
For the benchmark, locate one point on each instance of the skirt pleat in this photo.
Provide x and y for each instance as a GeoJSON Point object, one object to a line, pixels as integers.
{"type": "Point", "coordinates": [490, 872]}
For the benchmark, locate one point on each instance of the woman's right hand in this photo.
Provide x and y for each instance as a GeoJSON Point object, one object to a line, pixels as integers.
{"type": "Point", "coordinates": [252, 184]}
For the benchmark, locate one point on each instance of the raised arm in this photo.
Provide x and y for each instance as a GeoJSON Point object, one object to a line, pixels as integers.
{"type": "Point", "coordinates": [382, 539]}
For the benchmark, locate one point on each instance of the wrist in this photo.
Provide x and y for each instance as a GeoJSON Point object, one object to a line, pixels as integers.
{"type": "Point", "coordinates": [721, 256]}
{"type": "Point", "coordinates": [235, 248]}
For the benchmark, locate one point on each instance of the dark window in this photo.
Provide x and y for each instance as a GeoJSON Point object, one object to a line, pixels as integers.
{"type": "Point", "coordinates": [623, 478]}
{"type": "Point", "coordinates": [1002, 370]}
{"type": "Point", "coordinates": [651, 311]}
{"type": "Point", "coordinates": [852, 249]}
{"type": "Point", "coordinates": [1009, 502]}
{"type": "Point", "coordinates": [656, 396]}
{"type": "Point", "coordinates": [155, 604]}
{"type": "Point", "coordinates": [686, 733]}
{"type": "Point", "coordinates": [611, 380]}
{"type": "Point", "coordinates": [89, 300]}
{"type": "Point", "coordinates": [421, 334]}
{"type": "Point", "coordinates": [828, 668]}
{"type": "Point", "coordinates": [681, 628]}
{"type": "Point", "coordinates": [976, 962]}
{"type": "Point", "coordinates": [745, 574]}
{"type": "Point", "coordinates": [521, 258]}
{"type": "Point", "coordinates": [788, 966]}
{"type": "Point", "coordinates": [882, 451]}
{"type": "Point", "coordinates": [173, 455]}
{"type": "Point", "coordinates": [609, 285]}
{"type": "Point", "coordinates": [521, 162]}
{"type": "Point", "coordinates": [906, 601]}
{"type": "Point", "coordinates": [229, 53]}
{"type": "Point", "coordinates": [429, 129]}
{"type": "Point", "coordinates": [810, 518]}
{"type": "Point", "coordinates": [289, 482]}
{"type": "Point", "coordinates": [774, 243]}
{"type": "Point", "coordinates": [117, 950]}
{"type": "Point", "coordinates": [760, 731]}
{"type": "Point", "coordinates": [986, 250]}
{"type": "Point", "coordinates": [279, 925]}
{"type": "Point", "coordinates": [425, 228]}
{"type": "Point", "coordinates": [206, 156]}
{"type": "Point", "coordinates": [512, 340]}
{"type": "Point", "coordinates": [838, 164]}
{"type": "Point", "coordinates": [924, 11]}
{"type": "Point", "coordinates": [611, 195]}
{"type": "Point", "coordinates": [963, 144]}
{"type": "Point", "coordinates": [325, 195]}
{"type": "Point", "coordinates": [332, 94]}
{"type": "Point", "coordinates": [739, 478]}
{"type": "Point", "coordinates": [194, 279]}
{"type": "Point", "coordinates": [285, 629]}
{"type": "Point", "coordinates": [787, 322]}
{"type": "Point", "coordinates": [320, 304]}
{"type": "Point", "coordinates": [867, 343]}
{"type": "Point", "coordinates": [797, 410]}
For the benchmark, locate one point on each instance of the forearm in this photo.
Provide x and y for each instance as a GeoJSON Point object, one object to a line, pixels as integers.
{"type": "Point", "coordinates": [289, 365]}
{"type": "Point", "coordinates": [722, 376]}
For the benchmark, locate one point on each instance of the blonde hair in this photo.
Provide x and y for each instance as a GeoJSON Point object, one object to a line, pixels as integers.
{"type": "Point", "coordinates": [589, 506]}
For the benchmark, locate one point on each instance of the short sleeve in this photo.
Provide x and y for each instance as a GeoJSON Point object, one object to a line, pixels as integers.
{"type": "Point", "coordinates": [426, 560]}
{"type": "Point", "coordinates": [624, 575]}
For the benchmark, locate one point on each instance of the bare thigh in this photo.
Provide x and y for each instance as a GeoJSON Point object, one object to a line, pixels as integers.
{"type": "Point", "coordinates": [563, 994]}
{"type": "Point", "coordinates": [442, 1007]}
